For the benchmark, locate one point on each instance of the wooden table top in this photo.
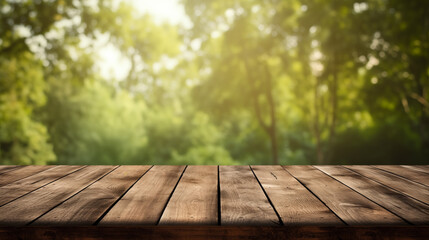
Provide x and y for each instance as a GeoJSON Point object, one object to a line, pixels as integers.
{"type": "Point", "coordinates": [263, 196]}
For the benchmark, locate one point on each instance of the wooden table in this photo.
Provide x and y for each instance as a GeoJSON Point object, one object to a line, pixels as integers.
{"type": "Point", "coordinates": [209, 202]}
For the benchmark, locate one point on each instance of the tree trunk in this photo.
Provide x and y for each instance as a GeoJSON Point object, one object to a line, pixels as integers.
{"type": "Point", "coordinates": [273, 127]}
{"type": "Point", "coordinates": [270, 129]}
{"type": "Point", "coordinates": [319, 151]}
{"type": "Point", "coordinates": [334, 104]}
{"type": "Point", "coordinates": [274, 147]}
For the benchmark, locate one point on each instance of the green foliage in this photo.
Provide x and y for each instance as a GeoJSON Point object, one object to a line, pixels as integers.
{"type": "Point", "coordinates": [289, 82]}
{"type": "Point", "coordinates": [23, 139]}
{"type": "Point", "coordinates": [97, 125]}
{"type": "Point", "coordinates": [179, 138]}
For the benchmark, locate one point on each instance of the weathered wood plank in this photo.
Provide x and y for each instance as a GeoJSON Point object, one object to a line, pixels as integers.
{"type": "Point", "coordinates": [195, 199]}
{"type": "Point", "coordinates": [87, 206]}
{"type": "Point", "coordinates": [419, 168]}
{"type": "Point", "coordinates": [410, 188]}
{"type": "Point", "coordinates": [294, 203]}
{"type": "Point", "coordinates": [27, 208]}
{"type": "Point", "coordinates": [145, 201]}
{"type": "Point", "coordinates": [7, 168]}
{"type": "Point", "coordinates": [409, 172]}
{"type": "Point", "coordinates": [349, 205]}
{"type": "Point", "coordinates": [424, 168]}
{"type": "Point", "coordinates": [20, 173]}
{"type": "Point", "coordinates": [405, 207]}
{"type": "Point", "coordinates": [243, 202]}
{"type": "Point", "coordinates": [21, 187]}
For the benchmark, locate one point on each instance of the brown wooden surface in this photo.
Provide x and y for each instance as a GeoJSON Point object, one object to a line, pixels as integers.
{"type": "Point", "coordinates": [20, 173]}
{"type": "Point", "coordinates": [242, 200]}
{"type": "Point", "coordinates": [27, 208]}
{"type": "Point", "coordinates": [294, 203]}
{"type": "Point", "coordinates": [349, 205]}
{"type": "Point", "coordinates": [6, 168]}
{"type": "Point", "coordinates": [412, 173]}
{"type": "Point", "coordinates": [87, 206]}
{"type": "Point", "coordinates": [144, 203]}
{"type": "Point", "coordinates": [195, 199]}
{"type": "Point", "coordinates": [19, 188]}
{"type": "Point", "coordinates": [403, 185]}
{"type": "Point", "coordinates": [325, 197]}
{"type": "Point", "coordinates": [407, 208]}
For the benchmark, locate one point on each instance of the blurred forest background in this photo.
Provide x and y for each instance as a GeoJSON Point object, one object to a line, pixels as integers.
{"type": "Point", "coordinates": [244, 82]}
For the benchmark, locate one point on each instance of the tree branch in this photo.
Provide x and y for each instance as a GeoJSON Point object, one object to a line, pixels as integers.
{"type": "Point", "coordinates": [255, 95]}
{"type": "Point", "coordinates": [420, 99]}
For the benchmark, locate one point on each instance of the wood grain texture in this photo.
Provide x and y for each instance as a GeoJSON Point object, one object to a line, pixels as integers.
{"type": "Point", "coordinates": [412, 173]}
{"type": "Point", "coordinates": [410, 188]}
{"type": "Point", "coordinates": [351, 207]}
{"type": "Point", "coordinates": [27, 208]}
{"type": "Point", "coordinates": [87, 206]}
{"type": "Point", "coordinates": [216, 232]}
{"type": "Point", "coordinates": [294, 203]}
{"type": "Point", "coordinates": [195, 199]}
{"type": "Point", "coordinates": [129, 196]}
{"type": "Point", "coordinates": [424, 168]}
{"type": "Point", "coordinates": [242, 199]}
{"type": "Point", "coordinates": [18, 188]}
{"type": "Point", "coordinates": [145, 201]}
{"type": "Point", "coordinates": [405, 207]}
{"type": "Point", "coordinates": [420, 168]}
{"type": "Point", "coordinates": [6, 168]}
{"type": "Point", "coordinates": [20, 173]}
